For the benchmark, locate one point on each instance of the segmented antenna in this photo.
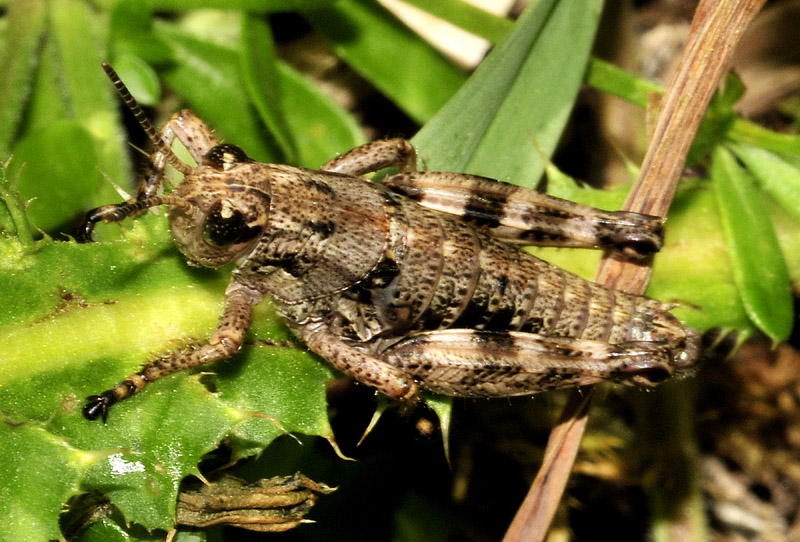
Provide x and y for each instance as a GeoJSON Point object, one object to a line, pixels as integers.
{"type": "Point", "coordinates": [140, 117]}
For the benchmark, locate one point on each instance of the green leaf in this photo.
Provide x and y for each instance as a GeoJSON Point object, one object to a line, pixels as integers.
{"type": "Point", "coordinates": [718, 120]}
{"type": "Point", "coordinates": [262, 82]}
{"type": "Point", "coordinates": [131, 34]}
{"type": "Point", "coordinates": [322, 129]}
{"type": "Point", "coordinates": [205, 76]}
{"type": "Point", "coordinates": [745, 131]}
{"type": "Point", "coordinates": [39, 471]}
{"type": "Point", "coordinates": [93, 314]}
{"type": "Point", "coordinates": [46, 102]}
{"type": "Point", "coordinates": [26, 24]}
{"type": "Point", "coordinates": [14, 221]}
{"type": "Point", "coordinates": [90, 99]}
{"type": "Point", "coordinates": [253, 6]}
{"type": "Point", "coordinates": [473, 19]}
{"type": "Point", "coordinates": [58, 189]}
{"type": "Point", "coordinates": [507, 119]}
{"type": "Point", "coordinates": [759, 269]}
{"type": "Point", "coordinates": [777, 177]}
{"type": "Point", "coordinates": [384, 51]}
{"type": "Point", "coordinates": [616, 81]}
{"type": "Point", "coordinates": [139, 77]}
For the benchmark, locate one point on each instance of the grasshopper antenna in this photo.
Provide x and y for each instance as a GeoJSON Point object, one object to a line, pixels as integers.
{"type": "Point", "coordinates": [117, 212]}
{"type": "Point", "coordinates": [140, 117]}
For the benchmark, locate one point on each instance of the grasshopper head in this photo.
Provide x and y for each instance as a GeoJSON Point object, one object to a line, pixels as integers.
{"type": "Point", "coordinates": [218, 212]}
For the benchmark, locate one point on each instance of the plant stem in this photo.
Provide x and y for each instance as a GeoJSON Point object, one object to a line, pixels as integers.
{"type": "Point", "coordinates": [716, 29]}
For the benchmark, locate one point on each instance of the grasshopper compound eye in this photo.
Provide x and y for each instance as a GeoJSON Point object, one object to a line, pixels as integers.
{"type": "Point", "coordinates": [226, 225]}
{"type": "Point", "coordinates": [224, 157]}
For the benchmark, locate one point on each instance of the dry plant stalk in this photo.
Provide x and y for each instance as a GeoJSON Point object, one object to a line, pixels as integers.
{"type": "Point", "coordinates": [716, 28]}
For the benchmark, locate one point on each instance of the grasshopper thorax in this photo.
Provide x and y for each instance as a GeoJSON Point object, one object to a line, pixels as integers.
{"type": "Point", "coordinates": [218, 212]}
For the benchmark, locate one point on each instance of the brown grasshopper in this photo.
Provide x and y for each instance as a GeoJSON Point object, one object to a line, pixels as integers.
{"type": "Point", "coordinates": [409, 283]}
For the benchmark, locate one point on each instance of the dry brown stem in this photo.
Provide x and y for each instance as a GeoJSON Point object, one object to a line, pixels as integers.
{"type": "Point", "coordinates": [716, 29]}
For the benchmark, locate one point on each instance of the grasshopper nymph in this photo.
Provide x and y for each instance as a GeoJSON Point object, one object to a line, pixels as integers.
{"type": "Point", "coordinates": [410, 283]}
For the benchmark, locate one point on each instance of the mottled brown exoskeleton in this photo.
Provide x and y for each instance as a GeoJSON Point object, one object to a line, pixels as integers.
{"type": "Point", "coordinates": [409, 283]}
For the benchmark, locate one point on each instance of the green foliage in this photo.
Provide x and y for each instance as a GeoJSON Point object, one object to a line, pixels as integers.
{"type": "Point", "coordinates": [74, 319]}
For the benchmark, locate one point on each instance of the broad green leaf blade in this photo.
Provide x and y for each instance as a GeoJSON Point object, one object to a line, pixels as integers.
{"type": "Point", "coordinates": [26, 23]}
{"type": "Point", "coordinates": [507, 119]}
{"type": "Point", "coordinates": [322, 129]}
{"type": "Point", "coordinates": [57, 188]}
{"type": "Point", "coordinates": [759, 268]}
{"type": "Point", "coordinates": [106, 530]}
{"type": "Point", "coordinates": [160, 440]}
{"type": "Point", "coordinates": [384, 51]}
{"type": "Point", "coordinates": [89, 97]}
{"type": "Point", "coordinates": [207, 77]}
{"type": "Point", "coordinates": [131, 34]}
{"type": "Point", "coordinates": [281, 409]}
{"type": "Point", "coordinates": [46, 103]}
{"type": "Point", "coordinates": [778, 178]}
{"type": "Point", "coordinates": [262, 83]}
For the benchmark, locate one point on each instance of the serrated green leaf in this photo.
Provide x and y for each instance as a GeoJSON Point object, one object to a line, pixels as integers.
{"type": "Point", "coordinates": [39, 472]}
{"type": "Point", "coordinates": [384, 51]}
{"type": "Point", "coordinates": [759, 269]}
{"type": "Point", "coordinates": [507, 119]}
{"type": "Point", "coordinates": [95, 313]}
{"type": "Point", "coordinates": [161, 437]}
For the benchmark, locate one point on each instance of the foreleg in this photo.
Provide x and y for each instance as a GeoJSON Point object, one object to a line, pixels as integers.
{"type": "Point", "coordinates": [225, 342]}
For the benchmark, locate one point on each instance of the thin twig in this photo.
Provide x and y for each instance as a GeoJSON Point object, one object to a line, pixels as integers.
{"type": "Point", "coordinates": [716, 29]}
